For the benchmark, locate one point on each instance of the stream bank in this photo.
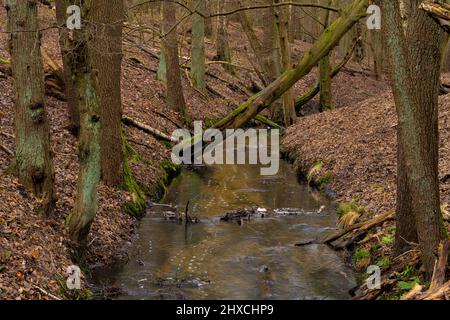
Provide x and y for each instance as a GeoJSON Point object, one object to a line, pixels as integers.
{"type": "Point", "coordinates": [351, 154]}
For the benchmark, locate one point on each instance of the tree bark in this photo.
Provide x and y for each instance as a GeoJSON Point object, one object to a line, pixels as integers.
{"type": "Point", "coordinates": [223, 46]}
{"type": "Point", "coordinates": [175, 97]}
{"type": "Point", "coordinates": [107, 61]}
{"type": "Point", "coordinates": [66, 45]}
{"type": "Point", "coordinates": [416, 60]}
{"type": "Point", "coordinates": [33, 156]}
{"type": "Point", "coordinates": [198, 47]}
{"type": "Point", "coordinates": [326, 95]}
{"type": "Point", "coordinates": [89, 150]}
{"type": "Point", "coordinates": [282, 21]}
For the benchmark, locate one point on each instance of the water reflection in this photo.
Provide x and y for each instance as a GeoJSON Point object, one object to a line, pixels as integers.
{"type": "Point", "coordinates": [219, 260]}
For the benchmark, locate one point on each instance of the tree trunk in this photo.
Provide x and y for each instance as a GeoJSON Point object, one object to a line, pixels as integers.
{"type": "Point", "coordinates": [66, 45]}
{"type": "Point", "coordinates": [257, 47]}
{"type": "Point", "coordinates": [33, 156]}
{"type": "Point", "coordinates": [282, 21]}
{"type": "Point", "coordinates": [175, 97]}
{"type": "Point", "coordinates": [198, 47]}
{"type": "Point", "coordinates": [107, 59]}
{"type": "Point", "coordinates": [223, 46]}
{"type": "Point", "coordinates": [89, 150]}
{"type": "Point", "coordinates": [326, 95]}
{"type": "Point", "coordinates": [161, 75]}
{"type": "Point", "coordinates": [416, 98]}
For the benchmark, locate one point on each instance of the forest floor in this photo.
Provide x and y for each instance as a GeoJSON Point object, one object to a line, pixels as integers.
{"type": "Point", "coordinates": [356, 144]}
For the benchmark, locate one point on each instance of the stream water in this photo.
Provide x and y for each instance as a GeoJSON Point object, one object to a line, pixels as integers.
{"type": "Point", "coordinates": [255, 259]}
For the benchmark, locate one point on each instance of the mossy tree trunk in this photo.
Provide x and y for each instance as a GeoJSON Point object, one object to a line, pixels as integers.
{"type": "Point", "coordinates": [33, 156]}
{"type": "Point", "coordinates": [198, 68]}
{"type": "Point", "coordinates": [89, 153]}
{"type": "Point", "coordinates": [417, 44]}
{"type": "Point", "coordinates": [326, 42]}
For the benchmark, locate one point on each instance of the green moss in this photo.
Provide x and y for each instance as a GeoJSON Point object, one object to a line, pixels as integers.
{"type": "Point", "coordinates": [352, 205]}
{"type": "Point", "coordinates": [408, 285]}
{"type": "Point", "coordinates": [361, 257]}
{"type": "Point", "coordinates": [383, 262]}
{"type": "Point", "coordinates": [165, 143]}
{"type": "Point", "coordinates": [169, 171]}
{"type": "Point", "coordinates": [210, 122]}
{"type": "Point", "coordinates": [69, 219]}
{"type": "Point", "coordinates": [325, 179]}
{"type": "Point", "coordinates": [314, 169]}
{"type": "Point", "coordinates": [136, 207]}
{"type": "Point", "coordinates": [387, 240]}
{"type": "Point", "coordinates": [67, 294]}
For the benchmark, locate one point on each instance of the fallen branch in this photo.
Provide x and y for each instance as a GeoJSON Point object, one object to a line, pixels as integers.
{"type": "Point", "coordinates": [147, 129]}
{"type": "Point", "coordinates": [439, 293]}
{"type": "Point", "coordinates": [46, 293]}
{"type": "Point", "coordinates": [6, 150]}
{"type": "Point", "coordinates": [230, 64]}
{"type": "Point", "coordinates": [7, 135]}
{"type": "Point", "coordinates": [362, 226]}
{"type": "Point", "coordinates": [268, 122]}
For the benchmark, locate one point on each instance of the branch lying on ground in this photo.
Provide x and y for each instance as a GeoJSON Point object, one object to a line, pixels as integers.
{"type": "Point", "coordinates": [9, 152]}
{"type": "Point", "coordinates": [147, 129]}
{"type": "Point", "coordinates": [359, 227]}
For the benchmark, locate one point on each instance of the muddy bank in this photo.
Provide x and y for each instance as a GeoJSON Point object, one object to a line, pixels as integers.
{"type": "Point", "coordinates": [351, 153]}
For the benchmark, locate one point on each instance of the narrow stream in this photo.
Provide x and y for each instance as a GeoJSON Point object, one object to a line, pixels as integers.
{"type": "Point", "coordinates": [254, 259]}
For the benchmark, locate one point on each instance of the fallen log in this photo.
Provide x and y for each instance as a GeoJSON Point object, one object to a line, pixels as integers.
{"type": "Point", "coordinates": [359, 227]}
{"type": "Point", "coordinates": [268, 122]}
{"type": "Point", "coordinates": [326, 42]}
{"type": "Point", "coordinates": [439, 11]}
{"type": "Point", "coordinates": [439, 293]}
{"type": "Point", "coordinates": [362, 226]}
{"type": "Point", "coordinates": [315, 89]}
{"type": "Point", "coordinates": [147, 129]}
